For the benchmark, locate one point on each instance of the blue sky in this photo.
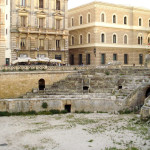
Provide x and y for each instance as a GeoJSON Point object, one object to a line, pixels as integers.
{"type": "Point", "coordinates": [136, 3]}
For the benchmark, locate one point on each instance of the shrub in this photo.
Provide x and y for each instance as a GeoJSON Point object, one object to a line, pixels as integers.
{"type": "Point", "coordinates": [55, 111]}
{"type": "Point", "coordinates": [64, 111]}
{"type": "Point", "coordinates": [107, 73]}
{"type": "Point", "coordinates": [44, 105]}
{"type": "Point", "coordinates": [4, 113]}
{"type": "Point", "coordinates": [20, 69]}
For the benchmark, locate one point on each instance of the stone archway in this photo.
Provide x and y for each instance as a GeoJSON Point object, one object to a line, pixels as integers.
{"type": "Point", "coordinates": [41, 84]}
{"type": "Point", "coordinates": [147, 92]}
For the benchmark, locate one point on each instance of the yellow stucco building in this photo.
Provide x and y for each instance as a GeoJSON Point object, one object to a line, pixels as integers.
{"type": "Point", "coordinates": [101, 33]}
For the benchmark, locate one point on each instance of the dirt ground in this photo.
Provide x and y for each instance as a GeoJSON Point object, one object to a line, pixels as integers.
{"type": "Point", "coordinates": [95, 131]}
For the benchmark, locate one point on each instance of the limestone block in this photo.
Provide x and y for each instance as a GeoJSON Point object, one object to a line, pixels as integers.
{"type": "Point", "coordinates": [113, 98]}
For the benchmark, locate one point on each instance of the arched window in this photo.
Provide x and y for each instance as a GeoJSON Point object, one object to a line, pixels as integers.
{"type": "Point", "coordinates": [125, 39]}
{"type": "Point", "coordinates": [40, 3]}
{"type": "Point", "coordinates": [102, 38]}
{"type": "Point", "coordinates": [41, 84]}
{"type": "Point", "coordinates": [80, 38]}
{"type": "Point", "coordinates": [81, 20]}
{"type": "Point", "coordinates": [125, 20]}
{"type": "Point", "coordinates": [114, 18]}
{"type": "Point", "coordinates": [89, 38]}
{"type": "Point", "coordinates": [72, 22]}
{"type": "Point", "coordinates": [140, 40]}
{"type": "Point", "coordinates": [89, 18]}
{"type": "Point", "coordinates": [114, 38]}
{"type": "Point", "coordinates": [102, 17]}
{"type": "Point", "coordinates": [72, 40]}
{"type": "Point", "coordinates": [140, 22]}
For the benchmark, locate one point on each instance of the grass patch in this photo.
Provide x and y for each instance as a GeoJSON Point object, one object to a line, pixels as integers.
{"type": "Point", "coordinates": [51, 112]}
{"type": "Point", "coordinates": [90, 140]}
{"type": "Point", "coordinates": [112, 148]}
{"type": "Point", "coordinates": [82, 112]}
{"type": "Point", "coordinates": [82, 121]}
{"type": "Point", "coordinates": [125, 111]}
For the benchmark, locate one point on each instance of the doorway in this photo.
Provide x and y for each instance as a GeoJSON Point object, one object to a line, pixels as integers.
{"type": "Point", "coordinates": [41, 84]}
{"type": "Point", "coordinates": [68, 108]}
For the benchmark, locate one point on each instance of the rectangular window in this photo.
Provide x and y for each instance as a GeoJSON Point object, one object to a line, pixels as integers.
{"type": "Point", "coordinates": [125, 58]}
{"type": "Point", "coordinates": [40, 3]}
{"type": "Point", "coordinates": [41, 20]}
{"type": "Point", "coordinates": [80, 59]}
{"type": "Point", "coordinates": [41, 44]}
{"type": "Point", "coordinates": [23, 55]}
{"type": "Point", "coordinates": [23, 21]}
{"type": "Point", "coordinates": [23, 2]}
{"type": "Point", "coordinates": [6, 31]}
{"type": "Point", "coordinates": [103, 58]}
{"type": "Point", "coordinates": [149, 23]}
{"type": "Point", "coordinates": [57, 44]}
{"type": "Point", "coordinates": [41, 55]}
{"type": "Point", "coordinates": [58, 57]}
{"type": "Point", "coordinates": [114, 57]}
{"type": "Point", "coordinates": [57, 24]}
{"type": "Point", "coordinates": [6, 16]}
{"type": "Point", "coordinates": [72, 59]}
{"type": "Point", "coordinates": [88, 59]}
{"type": "Point", "coordinates": [141, 59]}
{"type": "Point", "coordinates": [57, 4]}
{"type": "Point", "coordinates": [23, 43]}
{"type": "Point", "coordinates": [6, 2]}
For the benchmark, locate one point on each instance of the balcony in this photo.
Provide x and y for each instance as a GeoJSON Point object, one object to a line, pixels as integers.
{"type": "Point", "coordinates": [23, 48]}
{"type": "Point", "coordinates": [43, 30]}
{"type": "Point", "coordinates": [41, 48]}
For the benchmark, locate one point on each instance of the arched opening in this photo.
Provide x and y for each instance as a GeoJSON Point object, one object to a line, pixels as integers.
{"type": "Point", "coordinates": [147, 92]}
{"type": "Point", "coordinates": [41, 84]}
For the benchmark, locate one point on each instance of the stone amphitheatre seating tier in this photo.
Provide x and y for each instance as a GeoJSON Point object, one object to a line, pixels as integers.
{"type": "Point", "coordinates": [93, 90]}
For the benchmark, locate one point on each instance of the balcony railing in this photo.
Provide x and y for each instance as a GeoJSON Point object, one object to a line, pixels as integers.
{"type": "Point", "coordinates": [28, 29]}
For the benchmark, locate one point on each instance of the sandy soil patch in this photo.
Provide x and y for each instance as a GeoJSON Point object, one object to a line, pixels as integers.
{"type": "Point", "coordinates": [74, 132]}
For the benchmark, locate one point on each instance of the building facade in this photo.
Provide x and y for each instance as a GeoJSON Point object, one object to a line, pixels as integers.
{"type": "Point", "coordinates": [38, 28]}
{"type": "Point", "coordinates": [5, 52]}
{"type": "Point", "coordinates": [101, 33]}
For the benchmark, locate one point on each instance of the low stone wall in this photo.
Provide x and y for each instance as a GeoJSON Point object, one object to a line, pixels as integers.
{"type": "Point", "coordinates": [63, 68]}
{"type": "Point", "coordinates": [43, 68]}
{"type": "Point", "coordinates": [17, 84]}
{"type": "Point", "coordinates": [26, 105]}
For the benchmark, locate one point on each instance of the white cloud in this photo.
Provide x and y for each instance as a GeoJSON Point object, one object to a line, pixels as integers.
{"type": "Point", "coordinates": [136, 3]}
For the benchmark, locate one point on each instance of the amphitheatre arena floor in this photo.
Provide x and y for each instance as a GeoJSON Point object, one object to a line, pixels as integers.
{"type": "Point", "coordinates": [94, 131]}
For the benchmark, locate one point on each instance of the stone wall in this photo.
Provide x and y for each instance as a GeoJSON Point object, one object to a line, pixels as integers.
{"type": "Point", "coordinates": [17, 105]}
{"type": "Point", "coordinates": [17, 84]}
